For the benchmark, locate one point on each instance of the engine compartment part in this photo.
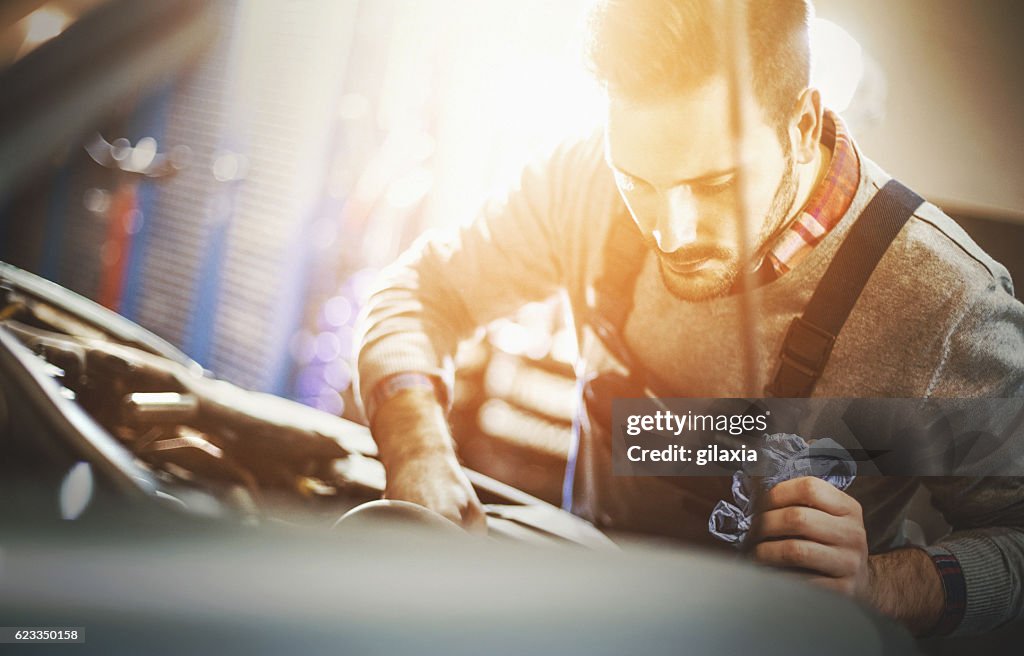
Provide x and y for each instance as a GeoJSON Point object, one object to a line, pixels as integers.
{"type": "Point", "coordinates": [155, 427]}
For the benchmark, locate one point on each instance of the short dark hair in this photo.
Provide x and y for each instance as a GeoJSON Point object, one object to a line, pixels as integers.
{"type": "Point", "coordinates": [648, 48]}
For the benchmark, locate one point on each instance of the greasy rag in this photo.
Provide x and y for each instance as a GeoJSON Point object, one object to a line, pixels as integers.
{"type": "Point", "coordinates": [782, 457]}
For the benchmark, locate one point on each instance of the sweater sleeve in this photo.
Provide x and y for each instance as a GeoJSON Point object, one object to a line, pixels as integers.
{"type": "Point", "coordinates": [448, 284]}
{"type": "Point", "coordinates": [984, 357]}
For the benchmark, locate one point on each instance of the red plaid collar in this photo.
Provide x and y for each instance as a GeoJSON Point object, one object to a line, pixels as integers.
{"type": "Point", "coordinates": [827, 204]}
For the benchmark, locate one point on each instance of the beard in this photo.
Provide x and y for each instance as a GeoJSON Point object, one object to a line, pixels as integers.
{"type": "Point", "coordinates": [721, 269]}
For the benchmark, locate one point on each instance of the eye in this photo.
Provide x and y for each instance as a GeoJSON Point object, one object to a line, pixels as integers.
{"type": "Point", "coordinates": [718, 187]}
{"type": "Point", "coordinates": [628, 183]}
{"type": "Point", "coordinates": [625, 182]}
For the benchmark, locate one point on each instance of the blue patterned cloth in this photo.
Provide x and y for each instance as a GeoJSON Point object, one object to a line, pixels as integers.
{"type": "Point", "coordinates": [782, 457]}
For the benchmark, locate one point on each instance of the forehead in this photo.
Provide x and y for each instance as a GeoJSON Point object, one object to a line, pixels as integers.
{"type": "Point", "coordinates": [682, 136]}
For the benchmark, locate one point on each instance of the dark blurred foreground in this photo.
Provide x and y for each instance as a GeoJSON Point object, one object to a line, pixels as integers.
{"type": "Point", "coordinates": [399, 589]}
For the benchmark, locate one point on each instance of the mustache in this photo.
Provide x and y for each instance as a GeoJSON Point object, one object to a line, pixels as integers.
{"type": "Point", "coordinates": [690, 254]}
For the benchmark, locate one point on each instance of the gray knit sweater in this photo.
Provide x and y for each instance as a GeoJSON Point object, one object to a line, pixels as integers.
{"type": "Point", "coordinates": [937, 319]}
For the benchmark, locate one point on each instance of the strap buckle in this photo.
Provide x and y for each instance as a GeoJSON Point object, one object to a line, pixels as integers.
{"type": "Point", "coordinates": [805, 352]}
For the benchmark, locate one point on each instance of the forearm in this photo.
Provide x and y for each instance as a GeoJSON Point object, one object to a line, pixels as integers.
{"type": "Point", "coordinates": [419, 458]}
{"type": "Point", "coordinates": [906, 586]}
{"type": "Point", "coordinates": [410, 425]}
{"type": "Point", "coordinates": [522, 247]}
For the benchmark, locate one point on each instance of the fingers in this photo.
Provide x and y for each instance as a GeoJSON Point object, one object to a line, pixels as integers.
{"type": "Point", "coordinates": [452, 503]}
{"type": "Point", "coordinates": [846, 585]}
{"type": "Point", "coordinates": [471, 512]}
{"type": "Point", "coordinates": [473, 518]}
{"type": "Point", "coordinates": [441, 486]}
{"type": "Point", "coordinates": [807, 555]}
{"type": "Point", "coordinates": [806, 523]}
{"type": "Point", "coordinates": [811, 492]}
{"type": "Point", "coordinates": [456, 508]}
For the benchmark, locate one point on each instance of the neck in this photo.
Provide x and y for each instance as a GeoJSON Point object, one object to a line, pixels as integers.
{"type": "Point", "coordinates": [811, 176]}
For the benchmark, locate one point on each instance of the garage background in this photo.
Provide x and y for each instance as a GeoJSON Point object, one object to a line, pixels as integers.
{"type": "Point", "coordinates": [240, 204]}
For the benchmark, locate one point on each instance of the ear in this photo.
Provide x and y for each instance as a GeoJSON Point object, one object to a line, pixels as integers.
{"type": "Point", "coordinates": [805, 126]}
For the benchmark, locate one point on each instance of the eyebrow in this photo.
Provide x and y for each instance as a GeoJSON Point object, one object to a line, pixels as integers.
{"type": "Point", "coordinates": [714, 175]}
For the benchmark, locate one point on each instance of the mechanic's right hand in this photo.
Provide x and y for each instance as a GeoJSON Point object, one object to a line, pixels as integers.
{"type": "Point", "coordinates": [417, 450]}
{"type": "Point", "coordinates": [438, 483]}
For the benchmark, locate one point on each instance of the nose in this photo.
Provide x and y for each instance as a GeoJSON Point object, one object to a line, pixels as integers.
{"type": "Point", "coordinates": [677, 220]}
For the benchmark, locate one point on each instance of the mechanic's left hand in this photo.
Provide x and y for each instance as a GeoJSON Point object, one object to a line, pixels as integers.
{"type": "Point", "coordinates": [808, 524]}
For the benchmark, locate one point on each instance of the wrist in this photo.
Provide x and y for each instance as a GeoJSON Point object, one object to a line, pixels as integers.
{"type": "Point", "coordinates": [395, 384]}
{"type": "Point", "coordinates": [954, 588]}
{"type": "Point", "coordinates": [904, 585]}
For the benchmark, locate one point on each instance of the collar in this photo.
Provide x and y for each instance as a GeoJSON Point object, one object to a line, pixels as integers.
{"type": "Point", "coordinates": [825, 208]}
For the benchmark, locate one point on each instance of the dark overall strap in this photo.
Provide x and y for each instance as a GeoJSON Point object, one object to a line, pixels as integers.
{"type": "Point", "coordinates": [622, 258]}
{"type": "Point", "coordinates": [810, 338]}
{"type": "Point", "coordinates": [587, 482]}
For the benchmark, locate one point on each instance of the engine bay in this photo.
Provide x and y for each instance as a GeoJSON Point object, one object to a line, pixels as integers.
{"type": "Point", "coordinates": [204, 446]}
{"type": "Point", "coordinates": [259, 454]}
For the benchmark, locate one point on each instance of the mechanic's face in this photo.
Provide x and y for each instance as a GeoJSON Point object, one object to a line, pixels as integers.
{"type": "Point", "coordinates": [674, 166]}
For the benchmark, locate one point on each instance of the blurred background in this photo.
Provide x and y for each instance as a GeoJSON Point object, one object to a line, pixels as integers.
{"type": "Point", "coordinates": [231, 174]}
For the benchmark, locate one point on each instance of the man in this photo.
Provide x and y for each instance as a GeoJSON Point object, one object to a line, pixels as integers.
{"type": "Point", "coordinates": [637, 225]}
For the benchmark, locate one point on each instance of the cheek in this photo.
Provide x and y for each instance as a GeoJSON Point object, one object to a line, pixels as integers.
{"type": "Point", "coordinates": [718, 216]}
{"type": "Point", "coordinates": [762, 189]}
{"type": "Point", "coordinates": [765, 174]}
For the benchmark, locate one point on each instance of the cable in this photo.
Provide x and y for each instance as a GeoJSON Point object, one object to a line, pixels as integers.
{"type": "Point", "coordinates": [734, 13]}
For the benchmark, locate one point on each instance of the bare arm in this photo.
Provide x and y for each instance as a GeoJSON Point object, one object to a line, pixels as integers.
{"type": "Point", "coordinates": [518, 250]}
{"type": "Point", "coordinates": [906, 586]}
{"type": "Point", "coordinates": [809, 525]}
{"type": "Point", "coordinates": [418, 454]}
